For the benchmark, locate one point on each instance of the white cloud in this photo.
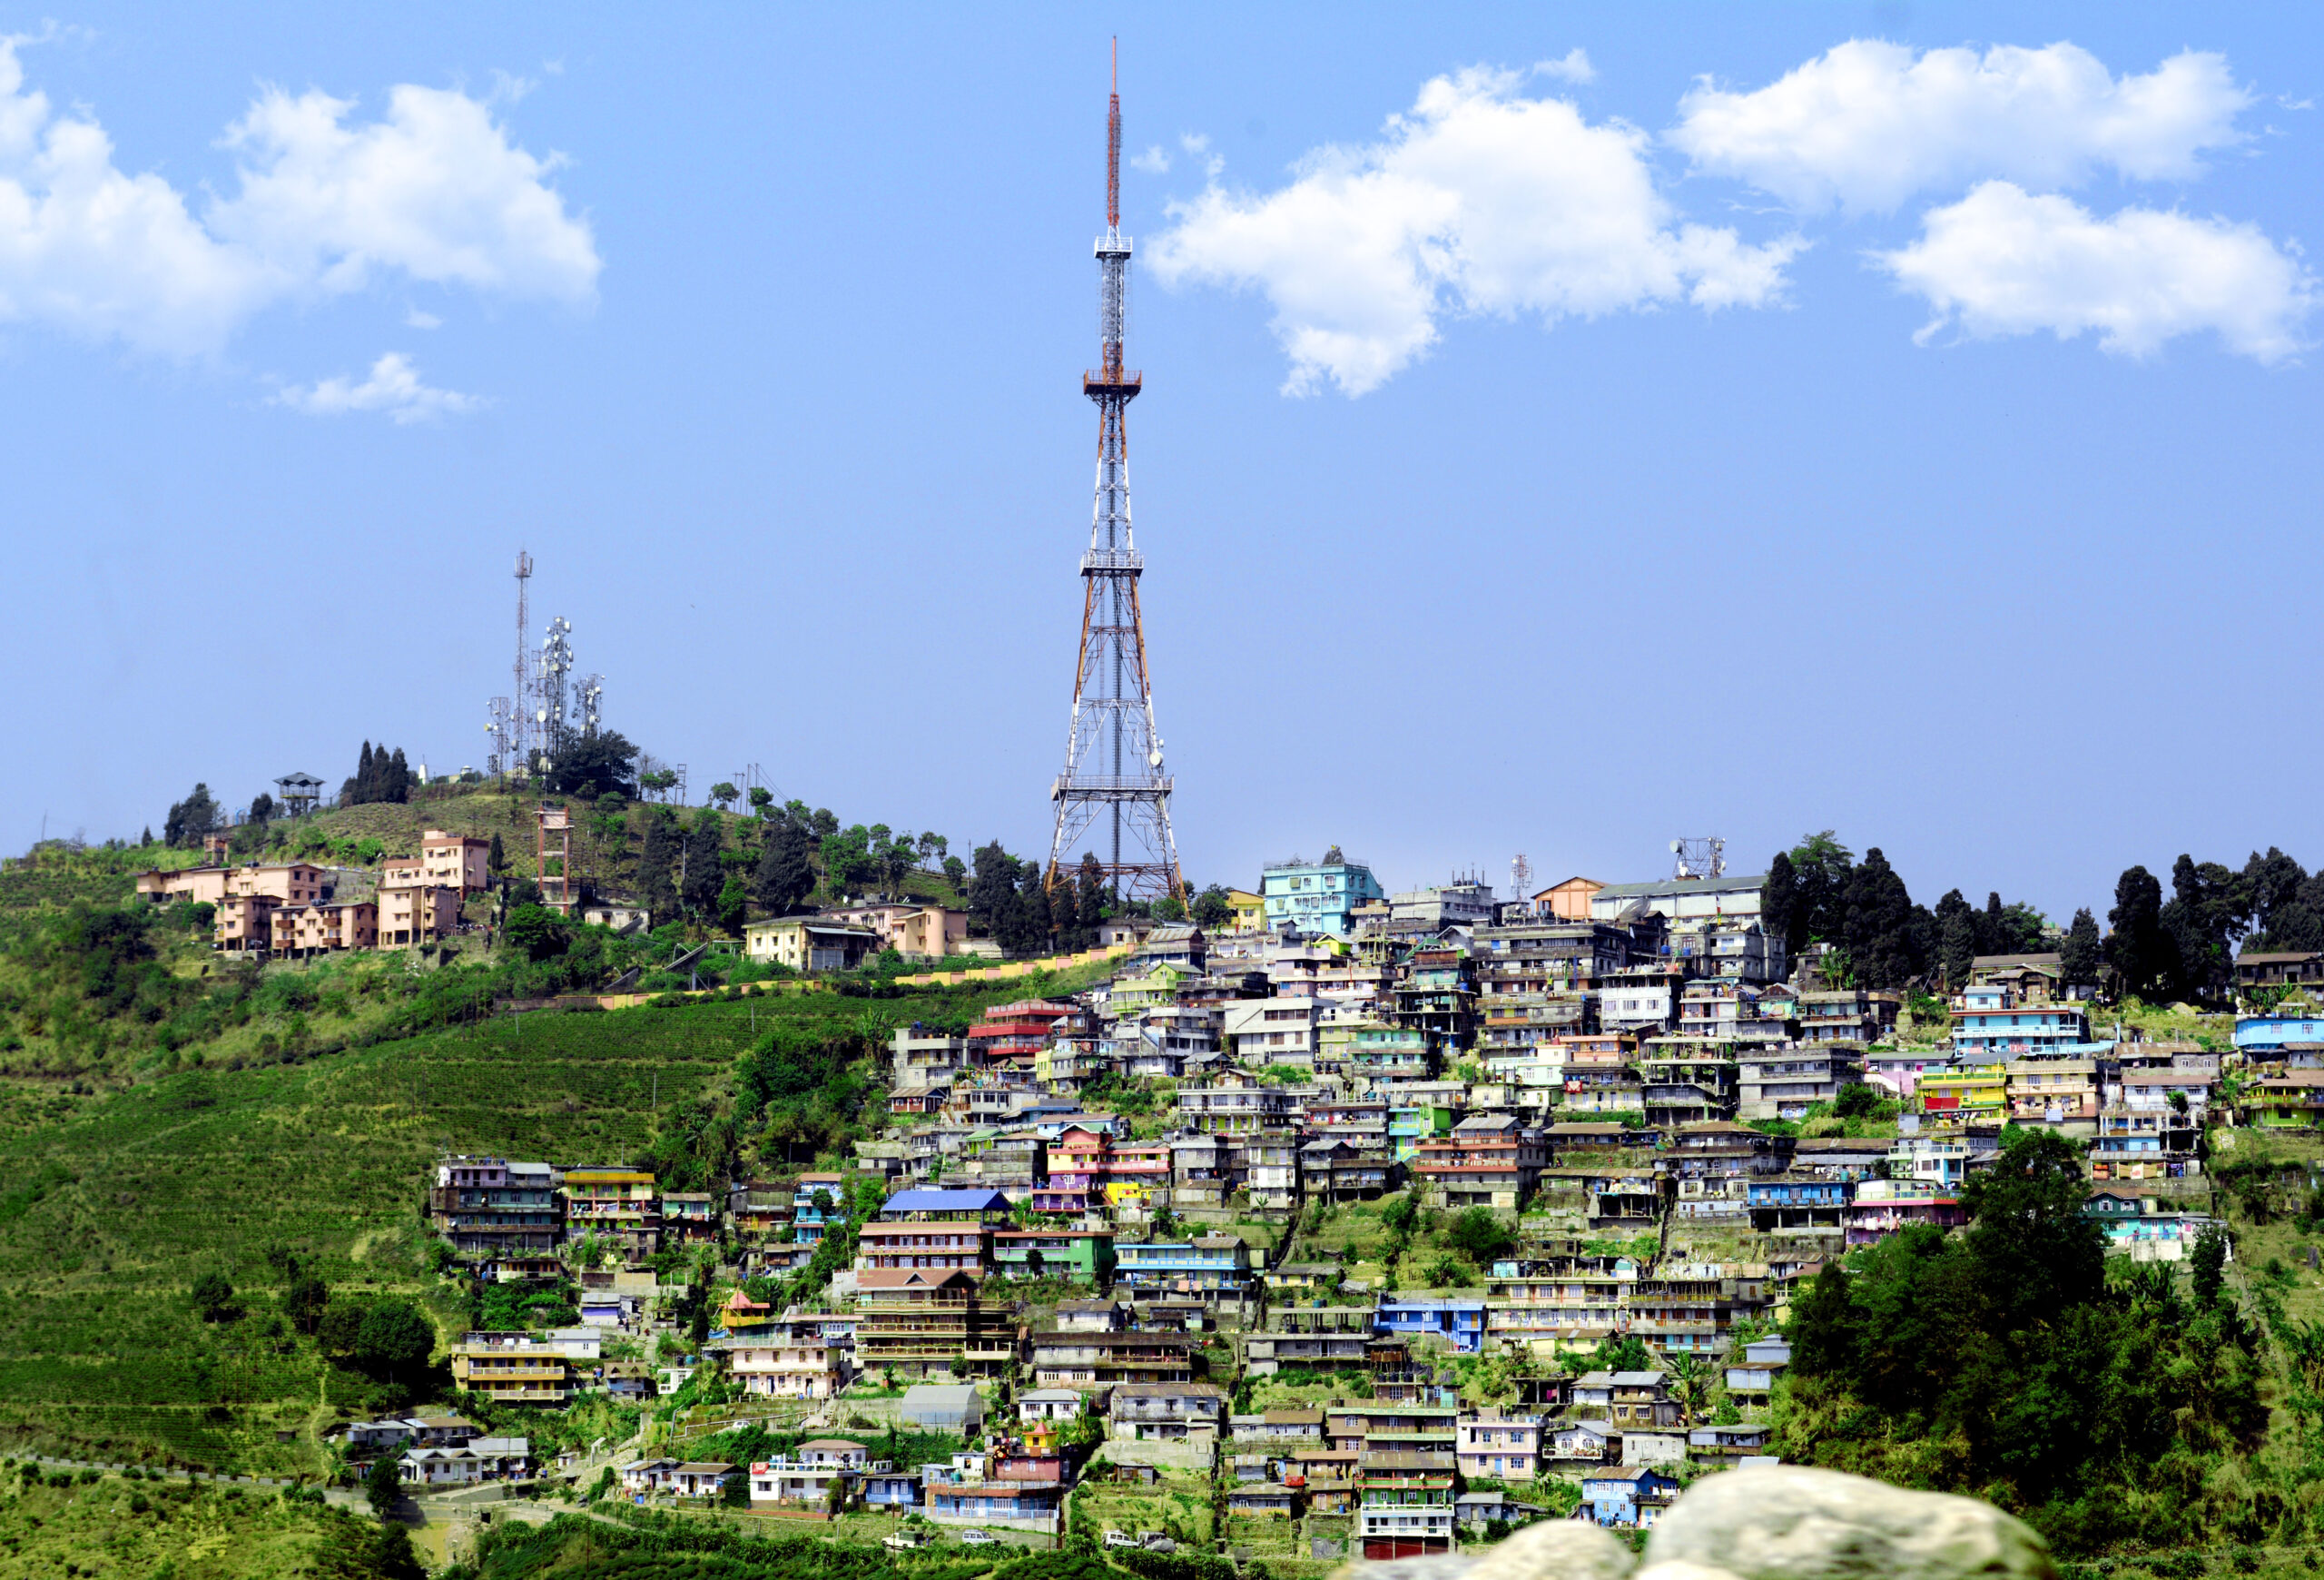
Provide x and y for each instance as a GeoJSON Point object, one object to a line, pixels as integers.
{"type": "Point", "coordinates": [1197, 144]}
{"type": "Point", "coordinates": [1574, 68]}
{"type": "Point", "coordinates": [2003, 262]}
{"type": "Point", "coordinates": [1154, 162]}
{"type": "Point", "coordinates": [394, 388]}
{"type": "Point", "coordinates": [436, 191]}
{"type": "Point", "coordinates": [1478, 201]}
{"type": "Point", "coordinates": [421, 319]}
{"type": "Point", "coordinates": [1866, 125]}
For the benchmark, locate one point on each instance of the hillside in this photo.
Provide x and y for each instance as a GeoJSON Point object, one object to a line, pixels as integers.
{"type": "Point", "coordinates": [119, 1201]}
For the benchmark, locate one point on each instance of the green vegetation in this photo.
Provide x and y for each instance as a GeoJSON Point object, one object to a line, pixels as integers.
{"type": "Point", "coordinates": [286, 1178]}
{"type": "Point", "coordinates": [107, 1526]}
{"type": "Point", "coordinates": [1999, 1362]}
{"type": "Point", "coordinates": [650, 1546]}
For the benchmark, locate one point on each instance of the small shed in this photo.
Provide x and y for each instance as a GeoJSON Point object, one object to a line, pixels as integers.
{"type": "Point", "coordinates": [952, 1407]}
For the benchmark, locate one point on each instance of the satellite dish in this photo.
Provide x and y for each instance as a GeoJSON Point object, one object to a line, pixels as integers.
{"type": "Point", "coordinates": [1674, 847]}
{"type": "Point", "coordinates": [540, 716]}
{"type": "Point", "coordinates": [1153, 759]}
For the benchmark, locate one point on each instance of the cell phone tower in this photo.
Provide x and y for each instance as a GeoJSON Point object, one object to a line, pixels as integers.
{"type": "Point", "coordinates": [1114, 783]}
{"type": "Point", "coordinates": [549, 713]}
{"type": "Point", "coordinates": [517, 750]}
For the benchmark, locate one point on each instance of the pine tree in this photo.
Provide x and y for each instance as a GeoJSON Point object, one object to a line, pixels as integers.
{"type": "Point", "coordinates": [784, 876]}
{"type": "Point", "coordinates": [704, 876]}
{"type": "Point", "coordinates": [396, 782]}
{"type": "Point", "coordinates": [2082, 957]}
{"type": "Point", "coordinates": [1957, 938]}
{"type": "Point", "coordinates": [657, 864]}
{"type": "Point", "coordinates": [1089, 910]}
{"type": "Point", "coordinates": [2135, 941]}
{"type": "Point", "coordinates": [1779, 900]}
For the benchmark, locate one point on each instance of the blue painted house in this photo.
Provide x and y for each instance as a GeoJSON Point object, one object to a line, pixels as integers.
{"type": "Point", "coordinates": [1794, 1202]}
{"type": "Point", "coordinates": [1219, 1264]}
{"type": "Point", "coordinates": [1459, 1322]}
{"type": "Point", "coordinates": [1632, 1497]}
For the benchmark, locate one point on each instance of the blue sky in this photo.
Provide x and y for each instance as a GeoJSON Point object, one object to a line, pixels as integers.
{"type": "Point", "coordinates": [1753, 423]}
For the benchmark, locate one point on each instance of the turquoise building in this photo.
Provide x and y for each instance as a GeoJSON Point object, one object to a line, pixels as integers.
{"type": "Point", "coordinates": [1317, 896]}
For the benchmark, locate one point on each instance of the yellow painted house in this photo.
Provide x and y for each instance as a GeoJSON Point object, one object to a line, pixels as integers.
{"type": "Point", "coordinates": [1955, 1096]}
{"type": "Point", "coordinates": [1249, 911]}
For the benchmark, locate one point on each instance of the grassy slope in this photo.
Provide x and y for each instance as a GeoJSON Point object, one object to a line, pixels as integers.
{"type": "Point", "coordinates": [182, 1533]}
{"type": "Point", "coordinates": [115, 1203]}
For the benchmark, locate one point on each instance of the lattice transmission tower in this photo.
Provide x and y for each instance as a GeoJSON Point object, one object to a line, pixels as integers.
{"type": "Point", "coordinates": [1113, 785]}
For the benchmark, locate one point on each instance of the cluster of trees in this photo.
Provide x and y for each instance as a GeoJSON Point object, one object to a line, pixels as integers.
{"type": "Point", "coordinates": [2184, 947]}
{"type": "Point", "coordinates": [2179, 947]}
{"type": "Point", "coordinates": [379, 775]}
{"type": "Point", "coordinates": [595, 763]}
{"type": "Point", "coordinates": [191, 818]}
{"type": "Point", "coordinates": [1013, 900]}
{"type": "Point", "coordinates": [2000, 1362]}
{"type": "Point", "coordinates": [1818, 892]}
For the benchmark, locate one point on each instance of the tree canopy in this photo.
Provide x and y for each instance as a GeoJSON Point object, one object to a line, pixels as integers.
{"type": "Point", "coordinates": [599, 763]}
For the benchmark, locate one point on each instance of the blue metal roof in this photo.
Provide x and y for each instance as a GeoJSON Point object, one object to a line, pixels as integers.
{"type": "Point", "coordinates": [946, 1201]}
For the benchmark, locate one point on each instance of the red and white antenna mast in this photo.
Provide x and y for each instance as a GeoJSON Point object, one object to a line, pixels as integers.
{"type": "Point", "coordinates": [1113, 800]}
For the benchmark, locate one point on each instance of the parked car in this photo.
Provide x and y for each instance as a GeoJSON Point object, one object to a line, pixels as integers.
{"type": "Point", "coordinates": [978, 1538]}
{"type": "Point", "coordinates": [1120, 1539]}
{"type": "Point", "coordinates": [903, 1541]}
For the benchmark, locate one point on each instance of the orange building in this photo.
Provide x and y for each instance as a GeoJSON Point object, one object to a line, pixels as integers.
{"type": "Point", "coordinates": [290, 884]}
{"type": "Point", "coordinates": [422, 915]}
{"type": "Point", "coordinates": [351, 925]}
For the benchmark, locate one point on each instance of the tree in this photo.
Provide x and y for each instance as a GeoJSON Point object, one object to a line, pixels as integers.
{"type": "Point", "coordinates": [734, 903]}
{"type": "Point", "coordinates": [1820, 865]}
{"type": "Point", "coordinates": [262, 808]}
{"type": "Point", "coordinates": [701, 871]}
{"type": "Point", "coordinates": [1090, 895]}
{"type": "Point", "coordinates": [1480, 1237]}
{"type": "Point", "coordinates": [392, 1556]}
{"type": "Point", "coordinates": [932, 849]}
{"type": "Point", "coordinates": [821, 822]}
{"type": "Point", "coordinates": [1169, 908]}
{"type": "Point", "coordinates": [2208, 1263]}
{"type": "Point", "coordinates": [383, 1484]}
{"type": "Point", "coordinates": [992, 891]}
{"type": "Point", "coordinates": [2082, 958]}
{"type": "Point", "coordinates": [496, 860]}
{"type": "Point", "coordinates": [657, 782]}
{"type": "Point", "coordinates": [538, 931]}
{"type": "Point", "coordinates": [658, 861]}
{"type": "Point", "coordinates": [394, 1342]}
{"type": "Point", "coordinates": [593, 766]}
{"type": "Point", "coordinates": [2036, 1251]}
{"type": "Point", "coordinates": [1857, 1101]}
{"type": "Point", "coordinates": [724, 795]}
{"type": "Point", "coordinates": [784, 876]}
{"type": "Point", "coordinates": [1823, 1325]}
{"type": "Point", "coordinates": [191, 818]}
{"type": "Point", "coordinates": [762, 801]}
{"type": "Point", "coordinates": [1212, 909]}
{"type": "Point", "coordinates": [1957, 938]}
{"type": "Point", "coordinates": [306, 1300]}
{"type": "Point", "coordinates": [956, 871]}
{"type": "Point", "coordinates": [847, 861]}
{"type": "Point", "coordinates": [213, 1299]}
{"type": "Point", "coordinates": [2136, 946]}
{"type": "Point", "coordinates": [1779, 899]}
{"type": "Point", "coordinates": [2207, 908]}
{"type": "Point", "coordinates": [1881, 933]}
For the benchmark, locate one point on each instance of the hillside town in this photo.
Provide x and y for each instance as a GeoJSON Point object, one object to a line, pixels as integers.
{"type": "Point", "coordinates": [1389, 1217]}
